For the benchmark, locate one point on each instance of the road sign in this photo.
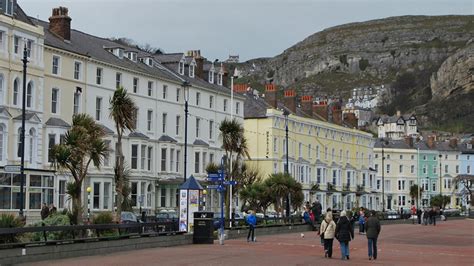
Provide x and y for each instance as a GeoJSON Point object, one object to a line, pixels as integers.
{"type": "Point", "coordinates": [212, 187]}
{"type": "Point", "coordinates": [230, 183]}
{"type": "Point", "coordinates": [12, 168]}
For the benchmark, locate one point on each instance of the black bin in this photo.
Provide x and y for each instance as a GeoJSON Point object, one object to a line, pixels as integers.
{"type": "Point", "coordinates": [203, 228]}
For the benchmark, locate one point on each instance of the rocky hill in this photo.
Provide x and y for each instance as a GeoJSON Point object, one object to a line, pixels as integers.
{"type": "Point", "coordinates": [427, 61]}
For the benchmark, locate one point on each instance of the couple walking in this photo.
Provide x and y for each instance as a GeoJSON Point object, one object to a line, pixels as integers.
{"type": "Point", "coordinates": [343, 231]}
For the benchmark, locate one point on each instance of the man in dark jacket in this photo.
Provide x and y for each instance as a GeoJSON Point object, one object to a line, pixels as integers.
{"type": "Point", "coordinates": [372, 231]}
{"type": "Point", "coordinates": [317, 210]}
{"type": "Point", "coordinates": [44, 211]}
{"type": "Point", "coordinates": [344, 233]}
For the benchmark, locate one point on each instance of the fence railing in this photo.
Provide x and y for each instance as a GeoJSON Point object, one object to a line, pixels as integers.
{"type": "Point", "coordinates": [45, 235]}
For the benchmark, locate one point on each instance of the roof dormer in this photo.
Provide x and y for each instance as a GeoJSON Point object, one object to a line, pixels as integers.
{"type": "Point", "coordinates": [132, 56]}
{"type": "Point", "coordinates": [8, 7]}
{"type": "Point", "coordinates": [149, 61]}
{"type": "Point", "coordinates": [192, 68]}
{"type": "Point", "coordinates": [181, 66]}
{"type": "Point", "coordinates": [212, 72]}
{"type": "Point", "coordinates": [117, 51]}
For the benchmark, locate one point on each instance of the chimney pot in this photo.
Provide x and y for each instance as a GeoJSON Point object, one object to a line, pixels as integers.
{"type": "Point", "coordinates": [270, 94]}
{"type": "Point", "coordinates": [290, 99]}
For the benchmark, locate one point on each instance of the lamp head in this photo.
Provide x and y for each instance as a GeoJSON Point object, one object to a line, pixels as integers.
{"type": "Point", "coordinates": [89, 189]}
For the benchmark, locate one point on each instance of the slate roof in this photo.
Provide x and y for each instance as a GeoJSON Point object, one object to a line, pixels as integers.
{"type": "Point", "coordinates": [169, 58]}
{"type": "Point", "coordinates": [166, 138]}
{"type": "Point", "coordinates": [57, 122]}
{"type": "Point", "coordinates": [393, 144]}
{"type": "Point", "coordinates": [20, 15]}
{"type": "Point", "coordinates": [28, 116]}
{"type": "Point", "coordinates": [444, 146]}
{"type": "Point", "coordinates": [393, 118]}
{"type": "Point", "coordinates": [199, 142]}
{"type": "Point", "coordinates": [136, 134]}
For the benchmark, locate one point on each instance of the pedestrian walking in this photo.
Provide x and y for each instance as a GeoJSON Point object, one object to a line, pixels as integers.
{"type": "Point", "coordinates": [425, 217]}
{"type": "Point", "coordinates": [373, 230]}
{"type": "Point", "coordinates": [252, 222]}
{"type": "Point", "coordinates": [327, 232]}
{"type": "Point", "coordinates": [361, 220]}
{"type": "Point", "coordinates": [413, 213]}
{"type": "Point", "coordinates": [317, 209]}
{"type": "Point", "coordinates": [432, 215]}
{"type": "Point", "coordinates": [44, 211]}
{"type": "Point", "coordinates": [418, 215]}
{"type": "Point", "coordinates": [344, 234]}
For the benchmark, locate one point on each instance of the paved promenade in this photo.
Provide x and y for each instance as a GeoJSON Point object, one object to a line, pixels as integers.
{"type": "Point", "coordinates": [448, 243]}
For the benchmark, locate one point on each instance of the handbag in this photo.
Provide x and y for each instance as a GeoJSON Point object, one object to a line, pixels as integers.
{"type": "Point", "coordinates": [322, 234]}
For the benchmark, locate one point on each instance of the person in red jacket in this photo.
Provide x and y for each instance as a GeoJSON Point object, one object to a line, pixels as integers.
{"type": "Point", "coordinates": [413, 213]}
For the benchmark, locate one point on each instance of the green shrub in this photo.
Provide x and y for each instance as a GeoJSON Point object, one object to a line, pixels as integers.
{"type": "Point", "coordinates": [56, 219]}
{"type": "Point", "coordinates": [9, 221]}
{"type": "Point", "coordinates": [103, 218]}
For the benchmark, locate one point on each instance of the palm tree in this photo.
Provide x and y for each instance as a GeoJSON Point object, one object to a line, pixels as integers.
{"type": "Point", "coordinates": [233, 142]}
{"type": "Point", "coordinates": [83, 145]}
{"type": "Point", "coordinates": [122, 111]}
{"type": "Point", "coordinates": [414, 193]}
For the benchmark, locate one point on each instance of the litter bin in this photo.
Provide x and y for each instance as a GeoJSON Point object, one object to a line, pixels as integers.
{"type": "Point", "coordinates": [203, 228]}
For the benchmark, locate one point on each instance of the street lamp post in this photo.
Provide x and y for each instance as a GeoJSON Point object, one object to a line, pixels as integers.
{"type": "Point", "coordinates": [286, 114]}
{"type": "Point", "coordinates": [383, 177]}
{"type": "Point", "coordinates": [185, 86]}
{"type": "Point", "coordinates": [440, 178]}
{"type": "Point", "coordinates": [22, 134]}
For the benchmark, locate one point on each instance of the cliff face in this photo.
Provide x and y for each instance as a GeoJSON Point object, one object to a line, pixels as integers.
{"type": "Point", "coordinates": [335, 60]}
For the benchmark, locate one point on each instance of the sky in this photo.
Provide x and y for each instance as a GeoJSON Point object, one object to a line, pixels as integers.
{"type": "Point", "coordinates": [249, 28]}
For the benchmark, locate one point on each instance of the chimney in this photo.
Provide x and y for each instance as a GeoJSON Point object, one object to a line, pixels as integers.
{"type": "Point", "coordinates": [240, 88]}
{"type": "Point", "coordinates": [307, 104]}
{"type": "Point", "coordinates": [271, 94]}
{"type": "Point", "coordinates": [453, 143]}
{"type": "Point", "coordinates": [335, 113]}
{"type": "Point", "coordinates": [321, 108]}
{"type": "Point", "coordinates": [289, 100]}
{"type": "Point", "coordinates": [199, 64]}
{"type": "Point", "coordinates": [398, 113]}
{"type": "Point", "coordinates": [409, 141]}
{"type": "Point", "coordinates": [60, 23]}
{"type": "Point", "coordinates": [430, 142]}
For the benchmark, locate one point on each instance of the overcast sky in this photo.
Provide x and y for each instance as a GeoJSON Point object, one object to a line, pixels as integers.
{"type": "Point", "coordinates": [250, 28]}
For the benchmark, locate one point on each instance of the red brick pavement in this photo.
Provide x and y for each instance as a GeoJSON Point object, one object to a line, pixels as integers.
{"type": "Point", "coordinates": [448, 243]}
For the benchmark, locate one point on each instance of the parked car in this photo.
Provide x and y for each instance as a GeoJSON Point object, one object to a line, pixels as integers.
{"type": "Point", "coordinates": [392, 215]}
{"type": "Point", "coordinates": [169, 220]}
{"type": "Point", "coordinates": [128, 217]}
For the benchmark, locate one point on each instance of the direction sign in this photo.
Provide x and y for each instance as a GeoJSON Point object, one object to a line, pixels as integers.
{"type": "Point", "coordinates": [12, 168]}
{"type": "Point", "coordinates": [230, 183]}
{"type": "Point", "coordinates": [212, 187]}
{"type": "Point", "coordinates": [213, 176]}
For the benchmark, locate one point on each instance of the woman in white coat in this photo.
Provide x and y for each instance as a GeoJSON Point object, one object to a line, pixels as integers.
{"type": "Point", "coordinates": [327, 232]}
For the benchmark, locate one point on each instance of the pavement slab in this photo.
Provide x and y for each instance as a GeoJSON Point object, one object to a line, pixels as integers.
{"type": "Point", "coordinates": [447, 243]}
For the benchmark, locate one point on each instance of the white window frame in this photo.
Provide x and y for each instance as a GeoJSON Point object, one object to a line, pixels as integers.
{"type": "Point", "coordinates": [77, 74]}
{"type": "Point", "coordinates": [55, 103]}
{"type": "Point", "coordinates": [58, 66]}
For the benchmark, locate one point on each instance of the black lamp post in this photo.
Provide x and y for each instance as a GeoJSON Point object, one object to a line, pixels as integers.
{"type": "Point", "coordinates": [185, 86]}
{"type": "Point", "coordinates": [287, 171]}
{"type": "Point", "coordinates": [383, 177]}
{"type": "Point", "coordinates": [22, 134]}
{"type": "Point", "coordinates": [440, 178]}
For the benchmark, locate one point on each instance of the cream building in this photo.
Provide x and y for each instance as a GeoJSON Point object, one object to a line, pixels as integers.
{"type": "Point", "coordinates": [336, 158]}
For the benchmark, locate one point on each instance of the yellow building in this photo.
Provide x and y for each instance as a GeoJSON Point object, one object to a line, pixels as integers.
{"type": "Point", "coordinates": [336, 158]}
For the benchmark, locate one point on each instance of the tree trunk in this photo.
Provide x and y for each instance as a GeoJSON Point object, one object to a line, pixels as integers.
{"type": "Point", "coordinates": [119, 186]}
{"type": "Point", "coordinates": [77, 207]}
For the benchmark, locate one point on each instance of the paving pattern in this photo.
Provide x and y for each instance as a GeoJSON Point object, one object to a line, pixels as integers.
{"type": "Point", "coordinates": [447, 243]}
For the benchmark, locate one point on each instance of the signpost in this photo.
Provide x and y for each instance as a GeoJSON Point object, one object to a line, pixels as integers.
{"type": "Point", "coordinates": [219, 178]}
{"type": "Point", "coordinates": [15, 169]}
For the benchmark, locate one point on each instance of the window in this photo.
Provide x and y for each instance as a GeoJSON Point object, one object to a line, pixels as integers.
{"type": "Point", "coordinates": [165, 91]}
{"type": "Point", "coordinates": [96, 197]}
{"type": "Point", "coordinates": [219, 79]}
{"type": "Point", "coordinates": [401, 185]}
{"type": "Point", "coordinates": [400, 169]}
{"type": "Point", "coordinates": [7, 7]}
{"type": "Point", "coordinates": [41, 190]}
{"type": "Point", "coordinates": [211, 102]}
{"type": "Point", "coordinates": [388, 156]}
{"type": "Point", "coordinates": [98, 108]}
{"type": "Point", "coordinates": [309, 151]}
{"type": "Point", "coordinates": [150, 88]}
{"type": "Point", "coordinates": [135, 85]}
{"type": "Point", "coordinates": [446, 169]}
{"type": "Point", "coordinates": [98, 77]}
{"type": "Point", "coordinates": [468, 170]}
{"type": "Point", "coordinates": [412, 169]}
{"type": "Point", "coordinates": [191, 70]}
{"type": "Point", "coordinates": [388, 168]}
{"type": "Point", "coordinates": [56, 60]}
{"type": "Point", "coordinates": [204, 162]}
{"type": "Point", "coordinates": [376, 167]}
{"type": "Point", "coordinates": [54, 101]}
{"type": "Point", "coordinates": [424, 169]}
{"type": "Point", "coordinates": [106, 158]}
{"type": "Point", "coordinates": [142, 157]}
{"type": "Point", "coordinates": [424, 157]}
{"type": "Point", "coordinates": [181, 67]}
{"type": "Point", "coordinates": [134, 156]}
{"type": "Point", "coordinates": [379, 182]}
{"type": "Point", "coordinates": [16, 44]}
{"type": "Point", "coordinates": [178, 157]}
{"type": "Point", "coordinates": [196, 162]}
{"type": "Point", "coordinates": [61, 194]}
{"type": "Point", "coordinates": [457, 169]}
{"type": "Point", "coordinates": [178, 119]}
{"type": "Point", "coordinates": [433, 185]}
{"type": "Point", "coordinates": [77, 70]}
{"type": "Point", "coordinates": [211, 75]}
{"type": "Point", "coordinates": [198, 122]}
{"type": "Point", "coordinates": [2, 142]}
{"type": "Point", "coordinates": [300, 149]}
{"type": "Point", "coordinates": [211, 129]}
{"type": "Point", "coordinates": [178, 94]}
{"type": "Point", "coordinates": [29, 95]}
{"type": "Point", "coordinates": [149, 119]}
{"type": "Point", "coordinates": [225, 105]}
{"type": "Point", "coordinates": [326, 153]}
{"type": "Point", "coordinates": [150, 158]}
{"type": "Point", "coordinates": [332, 154]}
{"type": "Point", "coordinates": [51, 143]}
{"type": "Point", "coordinates": [118, 79]}
{"type": "Point", "coordinates": [434, 169]}
{"type": "Point", "coordinates": [317, 151]}
{"type": "Point", "coordinates": [163, 197]}
{"type": "Point", "coordinates": [77, 102]}
{"type": "Point", "coordinates": [402, 200]}
{"type": "Point", "coordinates": [106, 202]}
{"type": "Point", "coordinates": [237, 107]}
{"type": "Point", "coordinates": [198, 98]}
{"type": "Point", "coordinates": [16, 91]}
{"type": "Point", "coordinates": [163, 117]}
{"type": "Point", "coordinates": [134, 193]}
{"type": "Point", "coordinates": [163, 159]}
